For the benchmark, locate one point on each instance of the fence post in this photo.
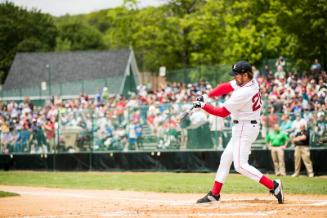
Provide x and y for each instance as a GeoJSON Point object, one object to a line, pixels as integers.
{"type": "Point", "coordinates": [83, 86]}
{"type": "Point", "coordinates": [60, 89]}
{"type": "Point", "coordinates": [93, 141]}
{"type": "Point", "coordinates": [40, 93]}
{"type": "Point", "coordinates": [57, 140]}
{"type": "Point", "coordinates": [184, 75]}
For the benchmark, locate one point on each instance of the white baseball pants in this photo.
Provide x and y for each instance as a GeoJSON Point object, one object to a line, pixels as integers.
{"type": "Point", "coordinates": [238, 150]}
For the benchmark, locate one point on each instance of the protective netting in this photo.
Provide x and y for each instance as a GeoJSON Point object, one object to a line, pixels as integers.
{"type": "Point", "coordinates": [140, 128]}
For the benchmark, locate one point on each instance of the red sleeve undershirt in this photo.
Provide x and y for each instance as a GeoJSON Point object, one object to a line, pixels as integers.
{"type": "Point", "coordinates": [217, 111]}
{"type": "Point", "coordinates": [221, 89]}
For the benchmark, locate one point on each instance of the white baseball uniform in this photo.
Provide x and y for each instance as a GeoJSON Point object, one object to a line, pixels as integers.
{"type": "Point", "coordinates": [244, 106]}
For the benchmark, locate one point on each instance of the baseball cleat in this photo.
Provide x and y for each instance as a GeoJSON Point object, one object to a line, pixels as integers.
{"type": "Point", "coordinates": [208, 198]}
{"type": "Point", "coordinates": [278, 191]}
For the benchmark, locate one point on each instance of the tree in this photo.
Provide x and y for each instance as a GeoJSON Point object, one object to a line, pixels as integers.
{"type": "Point", "coordinates": [206, 34]}
{"type": "Point", "coordinates": [181, 12]}
{"type": "Point", "coordinates": [23, 31]}
{"type": "Point", "coordinates": [78, 36]}
{"type": "Point", "coordinates": [306, 22]}
{"type": "Point", "coordinates": [178, 34]}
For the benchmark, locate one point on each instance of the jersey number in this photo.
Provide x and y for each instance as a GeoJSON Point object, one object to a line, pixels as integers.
{"type": "Point", "coordinates": [256, 100]}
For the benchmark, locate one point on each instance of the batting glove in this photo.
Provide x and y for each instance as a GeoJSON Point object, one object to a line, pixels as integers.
{"type": "Point", "coordinates": [198, 104]}
{"type": "Point", "coordinates": [200, 98]}
{"type": "Point", "coordinates": [203, 98]}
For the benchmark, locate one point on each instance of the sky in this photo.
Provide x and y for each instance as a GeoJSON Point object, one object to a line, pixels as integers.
{"type": "Point", "coordinates": [73, 7]}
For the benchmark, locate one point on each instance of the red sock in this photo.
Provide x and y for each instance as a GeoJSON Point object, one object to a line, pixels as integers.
{"type": "Point", "coordinates": [216, 188]}
{"type": "Point", "coordinates": [267, 182]}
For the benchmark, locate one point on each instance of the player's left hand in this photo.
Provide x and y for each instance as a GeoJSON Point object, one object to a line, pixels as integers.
{"type": "Point", "coordinates": [202, 98]}
{"type": "Point", "coordinates": [198, 104]}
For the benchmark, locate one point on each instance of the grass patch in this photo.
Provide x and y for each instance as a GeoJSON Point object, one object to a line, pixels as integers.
{"type": "Point", "coordinates": [157, 182]}
{"type": "Point", "coordinates": [7, 194]}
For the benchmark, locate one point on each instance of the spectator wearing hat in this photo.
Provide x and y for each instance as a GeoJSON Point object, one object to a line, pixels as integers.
{"type": "Point", "coordinates": [280, 62]}
{"type": "Point", "coordinates": [316, 68]}
{"type": "Point", "coordinates": [301, 142]}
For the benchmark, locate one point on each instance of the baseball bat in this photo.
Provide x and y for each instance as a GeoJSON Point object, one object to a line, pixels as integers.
{"type": "Point", "coordinates": [185, 113]}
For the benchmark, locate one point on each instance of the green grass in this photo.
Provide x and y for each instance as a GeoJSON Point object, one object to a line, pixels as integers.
{"type": "Point", "coordinates": [156, 182]}
{"type": "Point", "coordinates": [7, 194]}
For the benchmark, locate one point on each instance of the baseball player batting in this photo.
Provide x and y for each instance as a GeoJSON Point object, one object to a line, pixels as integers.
{"type": "Point", "coordinates": [244, 106]}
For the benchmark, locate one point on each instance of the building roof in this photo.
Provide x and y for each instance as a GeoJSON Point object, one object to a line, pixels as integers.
{"type": "Point", "coordinates": [30, 69]}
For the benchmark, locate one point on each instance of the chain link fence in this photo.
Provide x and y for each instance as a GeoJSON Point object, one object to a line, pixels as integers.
{"type": "Point", "coordinates": [212, 74]}
{"type": "Point", "coordinates": [144, 128]}
{"type": "Point", "coordinates": [65, 89]}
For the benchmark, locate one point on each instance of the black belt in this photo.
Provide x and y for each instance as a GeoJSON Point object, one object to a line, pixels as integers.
{"type": "Point", "coordinates": [251, 121]}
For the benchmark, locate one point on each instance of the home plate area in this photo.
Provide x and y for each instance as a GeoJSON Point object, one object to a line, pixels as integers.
{"type": "Point", "coordinates": [53, 202]}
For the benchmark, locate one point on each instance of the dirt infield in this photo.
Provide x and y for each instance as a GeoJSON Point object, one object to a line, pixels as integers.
{"type": "Point", "coordinates": [48, 202]}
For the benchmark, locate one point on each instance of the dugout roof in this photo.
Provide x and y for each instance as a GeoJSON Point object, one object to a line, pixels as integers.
{"type": "Point", "coordinates": [115, 69]}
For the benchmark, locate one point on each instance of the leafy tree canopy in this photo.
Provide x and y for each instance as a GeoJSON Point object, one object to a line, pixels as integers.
{"type": "Point", "coordinates": [178, 34]}
{"type": "Point", "coordinates": [23, 31]}
{"type": "Point", "coordinates": [78, 36]}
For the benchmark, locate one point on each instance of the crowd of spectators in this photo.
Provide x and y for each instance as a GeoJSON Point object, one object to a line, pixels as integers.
{"type": "Point", "coordinates": [106, 121]}
{"type": "Point", "coordinates": [297, 99]}
{"type": "Point", "coordinates": [301, 101]}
